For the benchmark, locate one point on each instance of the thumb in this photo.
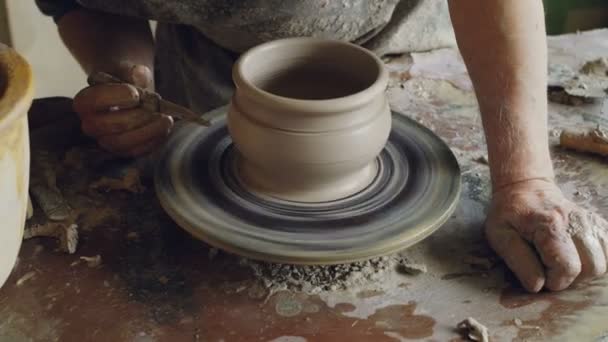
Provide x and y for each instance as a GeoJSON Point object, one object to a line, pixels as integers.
{"type": "Point", "coordinates": [136, 74]}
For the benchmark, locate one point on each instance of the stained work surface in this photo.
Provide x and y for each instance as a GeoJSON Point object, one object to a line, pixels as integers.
{"type": "Point", "coordinates": [152, 282]}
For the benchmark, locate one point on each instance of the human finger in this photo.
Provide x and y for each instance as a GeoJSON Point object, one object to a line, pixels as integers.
{"type": "Point", "coordinates": [122, 143]}
{"type": "Point", "coordinates": [103, 97]}
{"type": "Point", "coordinates": [116, 122]}
{"type": "Point", "coordinates": [136, 74]}
{"type": "Point", "coordinates": [558, 254]}
{"type": "Point", "coordinates": [586, 231]}
{"type": "Point", "coordinates": [517, 254]}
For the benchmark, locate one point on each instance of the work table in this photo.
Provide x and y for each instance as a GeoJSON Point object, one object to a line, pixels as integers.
{"type": "Point", "coordinates": [152, 282]}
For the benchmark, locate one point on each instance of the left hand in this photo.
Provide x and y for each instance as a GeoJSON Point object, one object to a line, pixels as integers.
{"type": "Point", "coordinates": [545, 239]}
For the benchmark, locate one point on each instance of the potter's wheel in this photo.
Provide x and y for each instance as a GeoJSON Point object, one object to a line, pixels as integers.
{"type": "Point", "coordinates": [414, 193]}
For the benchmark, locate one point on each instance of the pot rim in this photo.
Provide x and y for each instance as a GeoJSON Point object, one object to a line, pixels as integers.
{"type": "Point", "coordinates": [16, 86]}
{"type": "Point", "coordinates": [321, 106]}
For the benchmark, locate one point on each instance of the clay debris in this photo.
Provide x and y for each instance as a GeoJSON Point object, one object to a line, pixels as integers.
{"type": "Point", "coordinates": [592, 141]}
{"type": "Point", "coordinates": [315, 279]}
{"type": "Point", "coordinates": [93, 261]}
{"type": "Point", "coordinates": [43, 186]}
{"type": "Point", "coordinates": [590, 81]}
{"type": "Point", "coordinates": [130, 181]}
{"type": "Point", "coordinates": [597, 67]}
{"type": "Point", "coordinates": [29, 275]}
{"type": "Point", "coordinates": [406, 266]}
{"type": "Point", "coordinates": [66, 234]}
{"type": "Point", "coordinates": [559, 95]}
{"type": "Point", "coordinates": [473, 330]}
{"type": "Point", "coordinates": [482, 160]}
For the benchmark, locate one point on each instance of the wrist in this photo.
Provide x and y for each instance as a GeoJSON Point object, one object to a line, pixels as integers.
{"type": "Point", "coordinates": [505, 172]}
{"type": "Point", "coordinates": [522, 183]}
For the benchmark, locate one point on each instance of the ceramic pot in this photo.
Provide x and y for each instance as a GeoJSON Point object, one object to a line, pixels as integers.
{"type": "Point", "coordinates": [16, 93]}
{"type": "Point", "coordinates": [308, 118]}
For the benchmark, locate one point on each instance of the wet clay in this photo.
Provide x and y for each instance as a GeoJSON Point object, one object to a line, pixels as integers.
{"type": "Point", "coordinates": [308, 117]}
{"type": "Point", "coordinates": [313, 83]}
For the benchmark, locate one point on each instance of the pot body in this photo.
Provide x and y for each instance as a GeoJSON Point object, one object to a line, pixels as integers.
{"type": "Point", "coordinates": [16, 98]}
{"type": "Point", "coordinates": [309, 118]}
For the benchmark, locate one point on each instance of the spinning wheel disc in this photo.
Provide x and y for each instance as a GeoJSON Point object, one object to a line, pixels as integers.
{"type": "Point", "coordinates": [414, 192]}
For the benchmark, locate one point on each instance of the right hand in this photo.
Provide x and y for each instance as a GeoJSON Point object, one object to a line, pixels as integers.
{"type": "Point", "coordinates": [545, 239]}
{"type": "Point", "coordinates": [110, 113]}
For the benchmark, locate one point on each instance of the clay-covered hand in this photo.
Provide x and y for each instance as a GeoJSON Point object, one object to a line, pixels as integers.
{"type": "Point", "coordinates": [111, 114]}
{"type": "Point", "coordinates": [545, 239]}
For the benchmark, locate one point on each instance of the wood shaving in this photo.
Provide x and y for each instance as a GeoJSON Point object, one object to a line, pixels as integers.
{"type": "Point", "coordinates": [473, 330]}
{"type": "Point", "coordinates": [592, 141]}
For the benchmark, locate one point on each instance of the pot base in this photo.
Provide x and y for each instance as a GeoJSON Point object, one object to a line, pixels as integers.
{"type": "Point", "coordinates": [287, 189]}
{"type": "Point", "coordinates": [415, 190]}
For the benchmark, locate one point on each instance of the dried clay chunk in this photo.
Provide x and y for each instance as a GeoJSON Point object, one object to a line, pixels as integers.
{"type": "Point", "coordinates": [67, 234]}
{"type": "Point", "coordinates": [473, 330]}
{"type": "Point", "coordinates": [592, 141]}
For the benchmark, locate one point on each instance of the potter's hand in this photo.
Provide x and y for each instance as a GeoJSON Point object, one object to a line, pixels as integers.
{"type": "Point", "coordinates": [545, 239]}
{"type": "Point", "coordinates": [111, 114]}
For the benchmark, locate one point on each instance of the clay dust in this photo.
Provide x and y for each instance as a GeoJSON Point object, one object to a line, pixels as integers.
{"type": "Point", "coordinates": [314, 279]}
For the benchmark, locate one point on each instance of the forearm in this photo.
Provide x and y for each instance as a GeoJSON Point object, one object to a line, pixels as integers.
{"type": "Point", "coordinates": [503, 44]}
{"type": "Point", "coordinates": [101, 42]}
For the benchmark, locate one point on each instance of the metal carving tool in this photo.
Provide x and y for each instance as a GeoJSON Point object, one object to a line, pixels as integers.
{"type": "Point", "coordinates": [152, 101]}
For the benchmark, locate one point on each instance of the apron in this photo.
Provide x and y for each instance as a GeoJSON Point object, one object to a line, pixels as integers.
{"type": "Point", "coordinates": [197, 41]}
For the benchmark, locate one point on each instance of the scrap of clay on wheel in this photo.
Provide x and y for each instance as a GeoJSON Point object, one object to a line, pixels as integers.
{"type": "Point", "coordinates": [310, 165]}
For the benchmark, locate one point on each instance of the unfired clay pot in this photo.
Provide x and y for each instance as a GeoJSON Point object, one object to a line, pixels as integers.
{"type": "Point", "coordinates": [16, 93]}
{"type": "Point", "coordinates": [309, 117]}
